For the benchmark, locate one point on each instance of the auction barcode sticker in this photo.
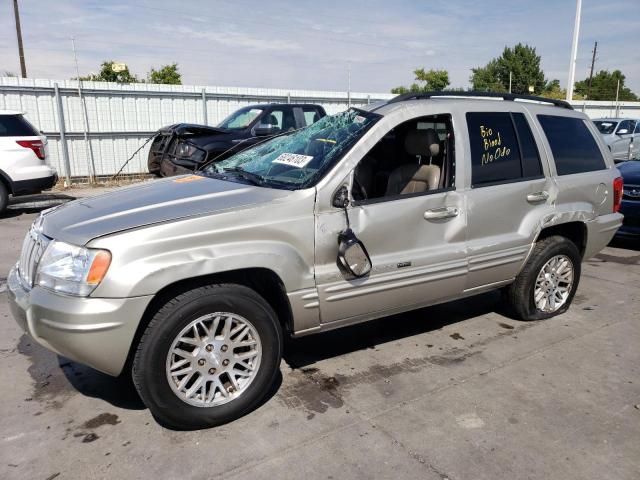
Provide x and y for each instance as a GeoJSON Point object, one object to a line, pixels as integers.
{"type": "Point", "coordinates": [293, 159]}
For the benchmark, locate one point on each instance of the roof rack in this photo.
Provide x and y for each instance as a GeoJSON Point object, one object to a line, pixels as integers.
{"type": "Point", "coordinates": [505, 96]}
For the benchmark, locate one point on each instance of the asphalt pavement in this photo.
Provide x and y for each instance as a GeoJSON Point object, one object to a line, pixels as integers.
{"type": "Point", "coordinates": [456, 391]}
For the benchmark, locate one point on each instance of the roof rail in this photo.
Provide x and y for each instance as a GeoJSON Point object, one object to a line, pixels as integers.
{"type": "Point", "coordinates": [505, 96]}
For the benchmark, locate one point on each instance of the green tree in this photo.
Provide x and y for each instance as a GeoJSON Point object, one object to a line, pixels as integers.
{"type": "Point", "coordinates": [521, 61]}
{"type": "Point", "coordinates": [604, 85]}
{"type": "Point", "coordinates": [430, 80]}
{"type": "Point", "coordinates": [553, 90]}
{"type": "Point", "coordinates": [167, 74]}
{"type": "Point", "coordinates": [107, 74]}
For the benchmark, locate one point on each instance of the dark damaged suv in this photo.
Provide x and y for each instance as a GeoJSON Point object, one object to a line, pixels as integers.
{"type": "Point", "coordinates": [183, 147]}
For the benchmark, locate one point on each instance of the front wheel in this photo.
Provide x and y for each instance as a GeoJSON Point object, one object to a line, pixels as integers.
{"type": "Point", "coordinates": [548, 282]}
{"type": "Point", "coordinates": [208, 356]}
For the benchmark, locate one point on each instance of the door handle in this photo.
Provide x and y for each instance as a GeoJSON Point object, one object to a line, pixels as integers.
{"type": "Point", "coordinates": [537, 197]}
{"type": "Point", "coordinates": [440, 213]}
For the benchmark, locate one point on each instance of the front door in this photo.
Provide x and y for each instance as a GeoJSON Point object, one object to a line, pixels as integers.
{"type": "Point", "coordinates": [415, 238]}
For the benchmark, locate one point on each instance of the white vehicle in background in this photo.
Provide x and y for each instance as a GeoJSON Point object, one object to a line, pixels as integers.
{"type": "Point", "coordinates": [622, 136]}
{"type": "Point", "coordinates": [23, 158]}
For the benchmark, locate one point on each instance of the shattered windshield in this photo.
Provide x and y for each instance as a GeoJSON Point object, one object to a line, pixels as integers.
{"type": "Point", "coordinates": [298, 159]}
{"type": "Point", "coordinates": [606, 127]}
{"type": "Point", "coordinates": [241, 119]}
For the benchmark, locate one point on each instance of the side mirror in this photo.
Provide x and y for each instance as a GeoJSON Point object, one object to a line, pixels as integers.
{"type": "Point", "coordinates": [622, 131]}
{"type": "Point", "coordinates": [341, 197]}
{"type": "Point", "coordinates": [264, 130]}
{"type": "Point", "coordinates": [353, 258]}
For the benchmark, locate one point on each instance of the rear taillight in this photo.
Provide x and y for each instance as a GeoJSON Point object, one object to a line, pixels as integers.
{"type": "Point", "coordinates": [618, 187]}
{"type": "Point", "coordinates": [36, 145]}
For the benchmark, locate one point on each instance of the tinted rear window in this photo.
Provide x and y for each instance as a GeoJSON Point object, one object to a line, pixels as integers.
{"type": "Point", "coordinates": [574, 148]}
{"type": "Point", "coordinates": [16, 126]}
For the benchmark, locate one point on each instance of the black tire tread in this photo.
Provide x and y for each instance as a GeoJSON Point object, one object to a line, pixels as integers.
{"type": "Point", "coordinates": [517, 294]}
{"type": "Point", "coordinates": [167, 309]}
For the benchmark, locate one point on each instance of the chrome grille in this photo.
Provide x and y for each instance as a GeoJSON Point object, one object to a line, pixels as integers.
{"type": "Point", "coordinates": [33, 247]}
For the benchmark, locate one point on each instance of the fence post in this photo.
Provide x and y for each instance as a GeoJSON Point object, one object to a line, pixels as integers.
{"type": "Point", "coordinates": [63, 136]}
{"type": "Point", "coordinates": [204, 107]}
{"type": "Point", "coordinates": [289, 97]}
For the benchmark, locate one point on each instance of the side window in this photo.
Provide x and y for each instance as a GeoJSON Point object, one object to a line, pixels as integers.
{"type": "Point", "coordinates": [495, 155]}
{"type": "Point", "coordinates": [573, 147]}
{"type": "Point", "coordinates": [311, 115]}
{"type": "Point", "coordinates": [626, 125]}
{"type": "Point", "coordinates": [637, 130]}
{"type": "Point", "coordinates": [272, 119]}
{"type": "Point", "coordinates": [415, 157]}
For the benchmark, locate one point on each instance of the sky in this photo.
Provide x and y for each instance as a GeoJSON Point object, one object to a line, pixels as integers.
{"type": "Point", "coordinates": [313, 45]}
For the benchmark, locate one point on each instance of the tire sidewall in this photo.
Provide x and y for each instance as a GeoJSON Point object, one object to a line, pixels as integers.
{"type": "Point", "coordinates": [560, 246]}
{"type": "Point", "coordinates": [4, 197]}
{"type": "Point", "coordinates": [150, 362]}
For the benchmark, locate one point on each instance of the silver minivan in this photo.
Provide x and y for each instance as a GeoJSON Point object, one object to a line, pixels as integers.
{"type": "Point", "coordinates": [191, 283]}
{"type": "Point", "coordinates": [622, 136]}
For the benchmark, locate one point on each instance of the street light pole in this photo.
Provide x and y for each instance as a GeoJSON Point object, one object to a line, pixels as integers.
{"type": "Point", "coordinates": [16, 14]}
{"type": "Point", "coordinates": [574, 52]}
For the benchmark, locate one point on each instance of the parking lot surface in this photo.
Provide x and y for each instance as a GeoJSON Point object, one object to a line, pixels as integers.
{"type": "Point", "coordinates": [455, 391]}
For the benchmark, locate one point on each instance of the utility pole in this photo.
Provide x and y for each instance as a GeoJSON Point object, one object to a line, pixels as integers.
{"type": "Point", "coordinates": [617, 103]}
{"type": "Point", "coordinates": [593, 62]}
{"type": "Point", "coordinates": [16, 13]}
{"type": "Point", "coordinates": [574, 52]}
{"type": "Point", "coordinates": [510, 75]}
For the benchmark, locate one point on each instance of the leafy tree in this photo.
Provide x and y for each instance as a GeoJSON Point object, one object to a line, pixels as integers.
{"type": "Point", "coordinates": [431, 80]}
{"type": "Point", "coordinates": [604, 85]}
{"type": "Point", "coordinates": [553, 90]}
{"type": "Point", "coordinates": [167, 74]}
{"type": "Point", "coordinates": [107, 74]}
{"type": "Point", "coordinates": [521, 61]}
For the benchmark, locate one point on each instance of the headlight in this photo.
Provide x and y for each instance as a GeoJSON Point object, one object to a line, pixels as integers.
{"type": "Point", "coordinates": [185, 150]}
{"type": "Point", "coordinates": [73, 270]}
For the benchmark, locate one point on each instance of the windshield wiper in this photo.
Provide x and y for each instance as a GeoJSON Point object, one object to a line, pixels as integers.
{"type": "Point", "coordinates": [251, 177]}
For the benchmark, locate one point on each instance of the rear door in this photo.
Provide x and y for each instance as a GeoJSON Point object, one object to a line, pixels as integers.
{"type": "Point", "coordinates": [510, 192]}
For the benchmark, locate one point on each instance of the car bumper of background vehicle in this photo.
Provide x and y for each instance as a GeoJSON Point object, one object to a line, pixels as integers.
{"type": "Point", "coordinates": [34, 185]}
{"type": "Point", "coordinates": [600, 231]}
{"type": "Point", "coordinates": [631, 224]}
{"type": "Point", "coordinates": [94, 331]}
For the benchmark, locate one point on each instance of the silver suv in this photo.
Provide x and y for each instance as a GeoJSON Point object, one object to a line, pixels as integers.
{"type": "Point", "coordinates": [192, 282]}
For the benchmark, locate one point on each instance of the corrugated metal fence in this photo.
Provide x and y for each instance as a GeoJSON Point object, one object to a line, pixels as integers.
{"type": "Point", "coordinates": [121, 117]}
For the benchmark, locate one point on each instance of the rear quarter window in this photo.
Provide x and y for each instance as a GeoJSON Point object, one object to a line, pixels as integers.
{"type": "Point", "coordinates": [16, 126]}
{"type": "Point", "coordinates": [573, 147]}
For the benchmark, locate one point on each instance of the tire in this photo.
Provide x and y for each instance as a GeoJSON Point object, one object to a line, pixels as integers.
{"type": "Point", "coordinates": [520, 295]}
{"type": "Point", "coordinates": [4, 197]}
{"type": "Point", "coordinates": [155, 374]}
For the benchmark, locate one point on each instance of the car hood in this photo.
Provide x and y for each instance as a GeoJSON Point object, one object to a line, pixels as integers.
{"type": "Point", "coordinates": [630, 171]}
{"type": "Point", "coordinates": [170, 199]}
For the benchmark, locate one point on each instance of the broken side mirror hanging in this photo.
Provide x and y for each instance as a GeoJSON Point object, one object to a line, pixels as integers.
{"type": "Point", "coordinates": [353, 257]}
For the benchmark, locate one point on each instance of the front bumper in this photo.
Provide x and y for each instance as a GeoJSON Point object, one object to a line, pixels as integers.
{"type": "Point", "coordinates": [95, 331]}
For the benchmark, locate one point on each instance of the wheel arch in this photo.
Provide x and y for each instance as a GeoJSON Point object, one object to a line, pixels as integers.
{"type": "Point", "coordinates": [575, 231]}
{"type": "Point", "coordinates": [6, 181]}
{"type": "Point", "coordinates": [263, 281]}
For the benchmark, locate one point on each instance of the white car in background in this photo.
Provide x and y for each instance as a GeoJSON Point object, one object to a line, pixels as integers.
{"type": "Point", "coordinates": [622, 136]}
{"type": "Point", "coordinates": [23, 158]}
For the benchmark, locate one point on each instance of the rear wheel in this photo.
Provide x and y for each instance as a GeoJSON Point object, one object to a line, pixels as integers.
{"type": "Point", "coordinates": [547, 284]}
{"type": "Point", "coordinates": [208, 356]}
{"type": "Point", "coordinates": [4, 197]}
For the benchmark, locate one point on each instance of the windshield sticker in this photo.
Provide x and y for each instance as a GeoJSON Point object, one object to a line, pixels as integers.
{"type": "Point", "coordinates": [293, 159]}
